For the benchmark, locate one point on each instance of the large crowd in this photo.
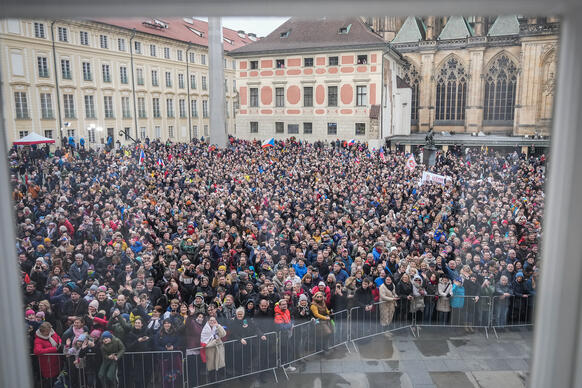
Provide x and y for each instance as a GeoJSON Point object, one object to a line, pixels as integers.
{"type": "Point", "coordinates": [165, 247]}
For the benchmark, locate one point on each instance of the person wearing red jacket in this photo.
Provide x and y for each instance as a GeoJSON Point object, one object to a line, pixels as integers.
{"type": "Point", "coordinates": [285, 326]}
{"type": "Point", "coordinates": [46, 343]}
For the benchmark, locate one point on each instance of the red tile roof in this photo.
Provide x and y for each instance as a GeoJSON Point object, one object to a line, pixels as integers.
{"type": "Point", "coordinates": [180, 29]}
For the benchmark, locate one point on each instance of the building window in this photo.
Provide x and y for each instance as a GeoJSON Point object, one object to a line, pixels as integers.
{"type": "Point", "coordinates": [308, 62]}
{"type": "Point", "coordinates": [234, 85]}
{"type": "Point", "coordinates": [203, 59]}
{"type": "Point", "coordinates": [181, 81]}
{"type": "Point", "coordinates": [89, 107]}
{"type": "Point", "coordinates": [195, 130]}
{"type": "Point", "coordinates": [360, 128]}
{"type": "Point", "coordinates": [192, 57]}
{"type": "Point", "coordinates": [307, 128]}
{"type": "Point", "coordinates": [293, 129]}
{"type": "Point", "coordinates": [204, 86]}
{"type": "Point", "coordinates": [142, 133]}
{"type": "Point", "coordinates": [332, 96]}
{"type": "Point", "coordinates": [308, 96]}
{"type": "Point", "coordinates": [153, 50]}
{"type": "Point", "coordinates": [39, 30]}
{"type": "Point", "coordinates": [280, 63]}
{"type": "Point", "coordinates": [121, 44]}
{"type": "Point", "coordinates": [362, 59]}
{"type": "Point", "coordinates": [279, 127]}
{"type": "Point", "coordinates": [63, 34]}
{"type": "Point", "coordinates": [46, 106]}
{"type": "Point", "coordinates": [182, 107]}
{"type": "Point", "coordinates": [333, 61]}
{"type": "Point", "coordinates": [233, 64]}
{"type": "Point", "coordinates": [332, 128]}
{"type": "Point", "coordinates": [206, 130]}
{"type": "Point", "coordinates": [279, 97]}
{"type": "Point", "coordinates": [193, 81]}
{"type": "Point", "coordinates": [123, 74]}
{"type": "Point", "coordinates": [48, 133]}
{"type": "Point", "coordinates": [156, 107]}
{"type": "Point", "coordinates": [42, 67]}
{"type": "Point", "coordinates": [22, 133]}
{"type": "Point", "coordinates": [87, 76]}
{"type": "Point", "coordinates": [226, 86]}
{"type": "Point", "coordinates": [254, 65]}
{"type": "Point", "coordinates": [168, 79]}
{"type": "Point", "coordinates": [155, 78]}
{"type": "Point", "coordinates": [170, 107]}
{"type": "Point", "coordinates": [84, 38]}
{"type": "Point", "coordinates": [91, 134]}
{"type": "Point", "coordinates": [179, 55]}
{"type": "Point", "coordinates": [137, 47]}
{"type": "Point", "coordinates": [108, 106]}
{"type": "Point", "coordinates": [205, 108]}
{"type": "Point", "coordinates": [71, 133]}
{"type": "Point", "coordinates": [21, 104]}
{"type": "Point", "coordinates": [69, 106]}
{"type": "Point", "coordinates": [361, 95]}
{"type": "Point", "coordinates": [451, 93]}
{"type": "Point", "coordinates": [412, 78]}
{"type": "Point", "coordinates": [500, 87]}
{"type": "Point", "coordinates": [171, 132]}
{"type": "Point", "coordinates": [254, 98]}
{"type": "Point", "coordinates": [66, 69]}
{"type": "Point", "coordinates": [105, 69]}
{"type": "Point", "coordinates": [194, 108]}
{"type": "Point", "coordinates": [103, 42]}
{"type": "Point", "coordinates": [141, 108]}
{"type": "Point", "coordinates": [226, 109]}
{"type": "Point", "coordinates": [254, 127]}
{"type": "Point", "coordinates": [166, 52]}
{"type": "Point", "coordinates": [158, 131]}
{"type": "Point", "coordinates": [125, 108]}
{"type": "Point", "coordinates": [139, 76]}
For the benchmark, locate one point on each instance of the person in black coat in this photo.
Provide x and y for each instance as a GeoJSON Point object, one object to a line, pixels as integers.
{"type": "Point", "coordinates": [243, 332]}
{"type": "Point", "coordinates": [404, 292]}
{"type": "Point", "coordinates": [364, 299]}
{"type": "Point", "coordinates": [264, 322]}
{"type": "Point", "coordinates": [138, 365]}
{"type": "Point", "coordinates": [167, 340]}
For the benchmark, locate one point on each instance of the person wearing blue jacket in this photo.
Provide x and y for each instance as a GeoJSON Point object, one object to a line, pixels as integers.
{"type": "Point", "coordinates": [300, 268]}
{"type": "Point", "coordinates": [457, 301]}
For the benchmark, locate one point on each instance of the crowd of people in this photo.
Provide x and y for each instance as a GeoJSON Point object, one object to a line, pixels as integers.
{"type": "Point", "coordinates": [178, 247]}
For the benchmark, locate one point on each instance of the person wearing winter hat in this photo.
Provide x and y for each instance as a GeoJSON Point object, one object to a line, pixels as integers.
{"type": "Point", "coordinates": [112, 350]}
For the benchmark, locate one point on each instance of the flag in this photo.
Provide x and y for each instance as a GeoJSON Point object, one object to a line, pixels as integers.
{"type": "Point", "coordinates": [268, 142]}
{"type": "Point", "coordinates": [351, 142]}
{"type": "Point", "coordinates": [411, 163]}
{"type": "Point", "coordinates": [382, 155]}
{"type": "Point", "coordinates": [141, 157]}
{"type": "Point", "coordinates": [160, 162]}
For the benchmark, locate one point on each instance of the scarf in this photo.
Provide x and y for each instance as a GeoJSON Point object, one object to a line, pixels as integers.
{"type": "Point", "coordinates": [208, 334]}
{"type": "Point", "coordinates": [389, 286]}
{"type": "Point", "coordinates": [48, 337]}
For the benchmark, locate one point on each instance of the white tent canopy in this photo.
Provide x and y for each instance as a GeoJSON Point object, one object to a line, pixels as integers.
{"type": "Point", "coordinates": [34, 138]}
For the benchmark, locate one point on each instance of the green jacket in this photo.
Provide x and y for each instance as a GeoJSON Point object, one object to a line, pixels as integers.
{"type": "Point", "coordinates": [114, 347]}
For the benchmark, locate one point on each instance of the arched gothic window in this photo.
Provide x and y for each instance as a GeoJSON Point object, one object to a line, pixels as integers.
{"type": "Point", "coordinates": [500, 86]}
{"type": "Point", "coordinates": [412, 78]}
{"type": "Point", "coordinates": [451, 93]}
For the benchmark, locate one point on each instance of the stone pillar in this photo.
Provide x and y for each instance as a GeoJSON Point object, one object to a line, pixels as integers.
{"type": "Point", "coordinates": [430, 28]}
{"type": "Point", "coordinates": [427, 92]}
{"type": "Point", "coordinates": [474, 107]}
{"type": "Point", "coordinates": [479, 26]}
{"type": "Point", "coordinates": [218, 134]}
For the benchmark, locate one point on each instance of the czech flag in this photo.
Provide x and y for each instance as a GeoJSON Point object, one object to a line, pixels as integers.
{"type": "Point", "coordinates": [351, 142]}
{"type": "Point", "coordinates": [382, 155]}
{"type": "Point", "coordinates": [160, 162]}
{"type": "Point", "coordinates": [411, 163]}
{"type": "Point", "coordinates": [268, 143]}
{"type": "Point", "coordinates": [141, 157]}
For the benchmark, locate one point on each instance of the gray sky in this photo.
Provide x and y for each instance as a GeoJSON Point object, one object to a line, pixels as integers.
{"type": "Point", "coordinates": [262, 26]}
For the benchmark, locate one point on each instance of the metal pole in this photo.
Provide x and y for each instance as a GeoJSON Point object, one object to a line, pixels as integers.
{"type": "Point", "coordinates": [218, 134]}
{"type": "Point", "coordinates": [57, 83]}
{"type": "Point", "coordinates": [558, 337]}
{"type": "Point", "coordinates": [133, 81]}
{"type": "Point", "coordinates": [188, 90]}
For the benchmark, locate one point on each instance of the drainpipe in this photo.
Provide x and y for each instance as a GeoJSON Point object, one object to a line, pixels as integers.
{"type": "Point", "coordinates": [57, 83]}
{"type": "Point", "coordinates": [133, 82]}
{"type": "Point", "coordinates": [189, 107]}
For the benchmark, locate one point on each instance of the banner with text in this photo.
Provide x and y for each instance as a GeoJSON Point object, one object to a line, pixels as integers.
{"type": "Point", "coordinates": [429, 177]}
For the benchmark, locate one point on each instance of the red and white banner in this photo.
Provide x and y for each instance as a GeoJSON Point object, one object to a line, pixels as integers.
{"type": "Point", "coordinates": [429, 177]}
{"type": "Point", "coordinates": [411, 163]}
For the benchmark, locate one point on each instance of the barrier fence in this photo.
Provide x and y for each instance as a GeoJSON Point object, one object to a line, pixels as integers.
{"type": "Point", "coordinates": [262, 355]}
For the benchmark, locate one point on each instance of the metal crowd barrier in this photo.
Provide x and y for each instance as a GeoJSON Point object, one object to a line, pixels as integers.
{"type": "Point", "coordinates": [240, 360]}
{"type": "Point", "coordinates": [383, 317]}
{"type": "Point", "coordinates": [151, 369]}
{"type": "Point", "coordinates": [52, 367]}
{"type": "Point", "coordinates": [511, 311]}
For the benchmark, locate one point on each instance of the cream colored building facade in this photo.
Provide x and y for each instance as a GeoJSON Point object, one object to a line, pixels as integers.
{"type": "Point", "coordinates": [110, 79]}
{"type": "Point", "coordinates": [490, 74]}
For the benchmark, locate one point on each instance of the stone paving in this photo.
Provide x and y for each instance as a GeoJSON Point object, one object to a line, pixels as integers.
{"type": "Point", "coordinates": [439, 358]}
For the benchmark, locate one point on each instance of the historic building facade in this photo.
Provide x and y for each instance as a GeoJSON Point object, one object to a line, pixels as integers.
{"type": "Point", "coordinates": [92, 79]}
{"type": "Point", "coordinates": [319, 79]}
{"type": "Point", "coordinates": [471, 74]}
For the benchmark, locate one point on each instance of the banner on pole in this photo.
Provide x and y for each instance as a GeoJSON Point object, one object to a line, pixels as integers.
{"type": "Point", "coordinates": [429, 177]}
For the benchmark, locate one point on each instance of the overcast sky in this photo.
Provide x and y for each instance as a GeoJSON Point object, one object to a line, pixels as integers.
{"type": "Point", "coordinates": [262, 26]}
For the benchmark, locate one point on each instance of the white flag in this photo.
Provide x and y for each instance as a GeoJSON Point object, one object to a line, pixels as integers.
{"type": "Point", "coordinates": [411, 163]}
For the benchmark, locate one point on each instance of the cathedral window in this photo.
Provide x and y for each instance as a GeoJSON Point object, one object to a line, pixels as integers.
{"type": "Point", "coordinates": [451, 93]}
{"type": "Point", "coordinates": [500, 86]}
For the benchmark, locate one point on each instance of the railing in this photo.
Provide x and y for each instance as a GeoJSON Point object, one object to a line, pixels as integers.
{"type": "Point", "coordinates": [263, 355]}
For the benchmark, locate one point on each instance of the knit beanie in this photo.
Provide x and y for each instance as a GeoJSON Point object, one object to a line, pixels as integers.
{"type": "Point", "coordinates": [106, 334]}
